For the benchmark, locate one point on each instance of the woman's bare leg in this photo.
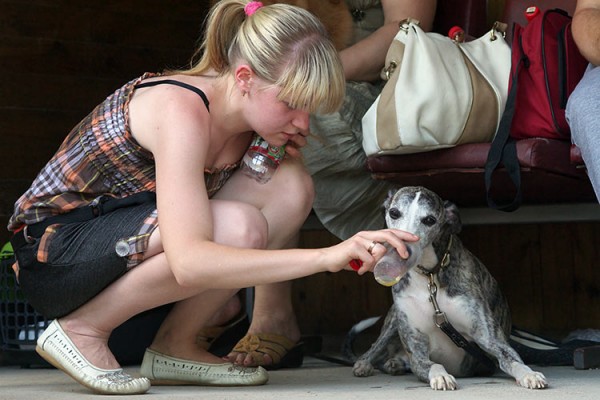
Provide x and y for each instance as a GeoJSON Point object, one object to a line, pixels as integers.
{"type": "Point", "coordinates": [273, 311]}
{"type": "Point", "coordinates": [152, 284]}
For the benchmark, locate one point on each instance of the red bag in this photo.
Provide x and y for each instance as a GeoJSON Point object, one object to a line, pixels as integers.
{"type": "Point", "coordinates": [547, 66]}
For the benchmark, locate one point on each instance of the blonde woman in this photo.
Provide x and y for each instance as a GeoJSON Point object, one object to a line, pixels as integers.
{"type": "Point", "coordinates": [143, 204]}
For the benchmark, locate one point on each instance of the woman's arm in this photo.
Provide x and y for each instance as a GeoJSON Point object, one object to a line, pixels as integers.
{"type": "Point", "coordinates": [364, 60]}
{"type": "Point", "coordinates": [180, 141]}
{"type": "Point", "coordinates": [586, 29]}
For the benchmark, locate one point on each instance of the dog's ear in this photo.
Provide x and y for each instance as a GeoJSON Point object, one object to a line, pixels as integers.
{"type": "Point", "coordinates": [452, 217]}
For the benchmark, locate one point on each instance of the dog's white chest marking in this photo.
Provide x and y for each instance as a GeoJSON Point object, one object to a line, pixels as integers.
{"type": "Point", "coordinates": [415, 302]}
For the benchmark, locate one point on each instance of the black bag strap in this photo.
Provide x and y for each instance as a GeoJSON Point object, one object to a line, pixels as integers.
{"type": "Point", "coordinates": [473, 349]}
{"type": "Point", "coordinates": [504, 147]}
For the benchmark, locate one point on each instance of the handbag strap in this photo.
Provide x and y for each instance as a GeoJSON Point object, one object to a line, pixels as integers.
{"type": "Point", "coordinates": [504, 147]}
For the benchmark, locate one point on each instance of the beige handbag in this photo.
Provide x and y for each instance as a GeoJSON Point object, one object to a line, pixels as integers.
{"type": "Point", "coordinates": [439, 92]}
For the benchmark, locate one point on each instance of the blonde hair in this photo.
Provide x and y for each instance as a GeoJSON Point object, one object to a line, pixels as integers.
{"type": "Point", "coordinates": [283, 44]}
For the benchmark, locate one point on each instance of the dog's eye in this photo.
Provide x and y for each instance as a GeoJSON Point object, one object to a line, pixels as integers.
{"type": "Point", "coordinates": [429, 220]}
{"type": "Point", "coordinates": [394, 213]}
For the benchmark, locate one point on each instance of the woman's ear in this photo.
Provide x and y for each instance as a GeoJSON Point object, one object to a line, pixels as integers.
{"type": "Point", "coordinates": [243, 78]}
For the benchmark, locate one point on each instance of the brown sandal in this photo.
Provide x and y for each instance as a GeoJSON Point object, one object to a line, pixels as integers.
{"type": "Point", "coordinates": [220, 339]}
{"type": "Point", "coordinates": [283, 352]}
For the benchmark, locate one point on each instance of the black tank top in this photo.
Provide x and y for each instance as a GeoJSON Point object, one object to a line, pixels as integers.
{"type": "Point", "coordinates": [180, 84]}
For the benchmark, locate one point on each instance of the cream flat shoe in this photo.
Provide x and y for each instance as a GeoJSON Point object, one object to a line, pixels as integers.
{"type": "Point", "coordinates": [56, 348]}
{"type": "Point", "coordinates": [166, 370]}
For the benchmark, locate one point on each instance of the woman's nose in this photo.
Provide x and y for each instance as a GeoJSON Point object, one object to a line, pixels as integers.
{"type": "Point", "coordinates": [301, 120]}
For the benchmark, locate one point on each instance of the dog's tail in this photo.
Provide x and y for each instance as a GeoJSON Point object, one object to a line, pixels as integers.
{"type": "Point", "coordinates": [347, 347]}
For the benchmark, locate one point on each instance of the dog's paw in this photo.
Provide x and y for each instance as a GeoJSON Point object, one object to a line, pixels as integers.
{"type": "Point", "coordinates": [395, 366]}
{"type": "Point", "coordinates": [443, 382]}
{"type": "Point", "coordinates": [439, 379]}
{"type": "Point", "coordinates": [533, 380]}
{"type": "Point", "coordinates": [362, 368]}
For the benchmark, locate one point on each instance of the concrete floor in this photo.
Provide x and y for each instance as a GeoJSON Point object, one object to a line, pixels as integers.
{"type": "Point", "coordinates": [316, 379]}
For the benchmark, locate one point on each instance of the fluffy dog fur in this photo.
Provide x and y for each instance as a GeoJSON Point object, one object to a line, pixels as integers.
{"type": "Point", "coordinates": [466, 292]}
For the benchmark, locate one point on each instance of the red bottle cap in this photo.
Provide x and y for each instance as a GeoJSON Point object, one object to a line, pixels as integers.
{"type": "Point", "coordinates": [531, 12]}
{"type": "Point", "coordinates": [356, 264]}
{"type": "Point", "coordinates": [457, 33]}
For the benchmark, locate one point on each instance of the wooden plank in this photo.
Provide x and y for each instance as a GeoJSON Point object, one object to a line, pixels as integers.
{"type": "Point", "coordinates": [65, 93]}
{"type": "Point", "coordinates": [86, 59]}
{"type": "Point", "coordinates": [512, 259]}
{"type": "Point", "coordinates": [137, 9]}
{"type": "Point", "coordinates": [557, 282]}
{"type": "Point", "coordinates": [87, 25]}
{"type": "Point", "coordinates": [10, 191]}
{"type": "Point", "coordinates": [29, 139]}
{"type": "Point", "coordinates": [586, 272]}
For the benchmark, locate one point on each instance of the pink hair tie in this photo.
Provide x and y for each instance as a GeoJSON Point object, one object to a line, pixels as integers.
{"type": "Point", "coordinates": [251, 7]}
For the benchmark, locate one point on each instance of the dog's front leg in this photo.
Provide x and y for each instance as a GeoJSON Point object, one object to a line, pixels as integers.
{"type": "Point", "coordinates": [494, 342]}
{"type": "Point", "coordinates": [421, 365]}
{"type": "Point", "coordinates": [510, 362]}
{"type": "Point", "coordinates": [379, 349]}
{"type": "Point", "coordinates": [525, 376]}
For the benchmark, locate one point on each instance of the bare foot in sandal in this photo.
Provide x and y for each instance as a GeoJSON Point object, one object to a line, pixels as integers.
{"type": "Point", "coordinates": [270, 338]}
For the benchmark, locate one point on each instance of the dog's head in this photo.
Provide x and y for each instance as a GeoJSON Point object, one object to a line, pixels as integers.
{"type": "Point", "coordinates": [422, 212]}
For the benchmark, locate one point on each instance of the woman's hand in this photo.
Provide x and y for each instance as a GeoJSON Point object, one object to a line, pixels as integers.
{"type": "Point", "coordinates": [366, 248]}
{"type": "Point", "coordinates": [295, 144]}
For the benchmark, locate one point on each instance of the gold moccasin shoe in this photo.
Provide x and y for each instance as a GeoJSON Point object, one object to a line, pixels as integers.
{"type": "Point", "coordinates": [166, 370]}
{"type": "Point", "coordinates": [56, 348]}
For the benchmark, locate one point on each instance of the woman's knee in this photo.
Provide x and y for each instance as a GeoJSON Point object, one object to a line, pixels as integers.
{"type": "Point", "coordinates": [240, 225]}
{"type": "Point", "coordinates": [297, 184]}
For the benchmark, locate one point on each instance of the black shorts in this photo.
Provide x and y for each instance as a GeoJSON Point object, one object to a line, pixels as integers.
{"type": "Point", "coordinates": [81, 261]}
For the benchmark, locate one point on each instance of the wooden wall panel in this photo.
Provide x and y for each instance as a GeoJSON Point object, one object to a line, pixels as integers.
{"type": "Point", "coordinates": [586, 275]}
{"type": "Point", "coordinates": [548, 272]}
{"type": "Point", "coordinates": [59, 58]}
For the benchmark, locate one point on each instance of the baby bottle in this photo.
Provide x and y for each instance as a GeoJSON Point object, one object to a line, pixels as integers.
{"type": "Point", "coordinates": [261, 160]}
{"type": "Point", "coordinates": [391, 267]}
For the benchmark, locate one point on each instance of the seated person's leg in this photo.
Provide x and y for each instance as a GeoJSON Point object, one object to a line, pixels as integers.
{"type": "Point", "coordinates": [583, 114]}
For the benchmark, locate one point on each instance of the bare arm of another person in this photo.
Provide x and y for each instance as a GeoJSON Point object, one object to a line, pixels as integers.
{"type": "Point", "coordinates": [586, 29]}
{"type": "Point", "coordinates": [363, 60]}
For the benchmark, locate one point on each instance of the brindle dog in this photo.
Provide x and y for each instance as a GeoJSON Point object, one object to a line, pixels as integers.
{"type": "Point", "coordinates": [443, 282]}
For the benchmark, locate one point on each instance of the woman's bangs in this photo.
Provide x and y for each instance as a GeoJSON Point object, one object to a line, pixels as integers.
{"type": "Point", "coordinates": [312, 83]}
{"type": "Point", "coordinates": [311, 87]}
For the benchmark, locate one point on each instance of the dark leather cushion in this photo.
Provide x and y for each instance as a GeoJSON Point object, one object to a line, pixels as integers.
{"type": "Point", "coordinates": [457, 173]}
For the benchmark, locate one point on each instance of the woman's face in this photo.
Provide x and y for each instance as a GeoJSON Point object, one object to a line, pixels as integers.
{"type": "Point", "coordinates": [274, 119]}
